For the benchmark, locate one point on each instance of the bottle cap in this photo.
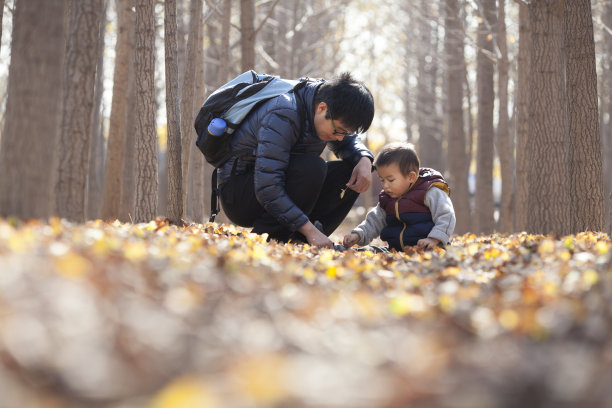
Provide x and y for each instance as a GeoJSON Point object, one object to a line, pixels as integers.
{"type": "Point", "coordinates": [217, 127]}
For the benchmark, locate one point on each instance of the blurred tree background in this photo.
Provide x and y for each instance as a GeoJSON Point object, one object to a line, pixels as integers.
{"type": "Point", "coordinates": [509, 99]}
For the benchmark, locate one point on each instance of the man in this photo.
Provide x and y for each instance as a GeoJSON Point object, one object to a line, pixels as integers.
{"type": "Point", "coordinates": [276, 181]}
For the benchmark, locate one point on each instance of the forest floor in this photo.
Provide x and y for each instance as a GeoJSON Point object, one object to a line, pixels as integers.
{"type": "Point", "coordinates": [211, 316]}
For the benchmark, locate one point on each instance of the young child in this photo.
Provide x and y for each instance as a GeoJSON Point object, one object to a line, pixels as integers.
{"type": "Point", "coordinates": [414, 207]}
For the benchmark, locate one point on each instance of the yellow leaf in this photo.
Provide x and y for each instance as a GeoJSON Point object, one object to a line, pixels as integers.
{"type": "Point", "coordinates": [546, 247]}
{"type": "Point", "coordinates": [135, 251]}
{"type": "Point", "coordinates": [451, 271]}
{"type": "Point", "coordinates": [262, 379]}
{"type": "Point", "coordinates": [309, 275]}
{"type": "Point", "coordinates": [602, 248]}
{"type": "Point", "coordinates": [186, 392]}
{"type": "Point", "coordinates": [72, 265]}
{"type": "Point", "coordinates": [589, 278]}
{"type": "Point", "coordinates": [407, 303]}
{"type": "Point", "coordinates": [509, 319]}
{"type": "Point", "coordinates": [447, 303]}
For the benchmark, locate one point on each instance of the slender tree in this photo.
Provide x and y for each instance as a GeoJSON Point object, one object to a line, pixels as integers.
{"type": "Point", "coordinates": [606, 110]}
{"type": "Point", "coordinates": [548, 200]}
{"type": "Point", "coordinates": [75, 137]}
{"type": "Point", "coordinates": [457, 157]}
{"type": "Point", "coordinates": [175, 177]}
{"type": "Point", "coordinates": [484, 157]}
{"type": "Point", "coordinates": [1, 18]}
{"type": "Point", "coordinates": [522, 122]}
{"type": "Point", "coordinates": [247, 32]}
{"type": "Point", "coordinates": [196, 193]}
{"type": "Point", "coordinates": [188, 109]}
{"type": "Point", "coordinates": [146, 135]}
{"type": "Point", "coordinates": [95, 181]}
{"type": "Point", "coordinates": [28, 146]}
{"type": "Point", "coordinates": [586, 184]}
{"type": "Point", "coordinates": [430, 143]}
{"type": "Point", "coordinates": [505, 145]}
{"type": "Point", "coordinates": [224, 46]}
{"type": "Point", "coordinates": [113, 176]}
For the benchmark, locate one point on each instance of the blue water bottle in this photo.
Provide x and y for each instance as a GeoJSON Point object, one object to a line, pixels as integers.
{"type": "Point", "coordinates": [214, 146]}
{"type": "Point", "coordinates": [217, 127]}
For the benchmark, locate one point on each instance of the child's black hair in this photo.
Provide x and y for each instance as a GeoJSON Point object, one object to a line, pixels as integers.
{"type": "Point", "coordinates": [348, 100]}
{"type": "Point", "coordinates": [400, 153]}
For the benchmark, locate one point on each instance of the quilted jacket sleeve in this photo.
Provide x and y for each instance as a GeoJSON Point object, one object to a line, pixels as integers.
{"type": "Point", "coordinates": [275, 138]}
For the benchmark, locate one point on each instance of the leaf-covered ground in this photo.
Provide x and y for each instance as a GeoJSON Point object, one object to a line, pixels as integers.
{"type": "Point", "coordinates": [211, 316]}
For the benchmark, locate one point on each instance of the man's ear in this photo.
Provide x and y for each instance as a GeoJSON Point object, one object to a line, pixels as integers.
{"type": "Point", "coordinates": [412, 177]}
{"type": "Point", "coordinates": [321, 107]}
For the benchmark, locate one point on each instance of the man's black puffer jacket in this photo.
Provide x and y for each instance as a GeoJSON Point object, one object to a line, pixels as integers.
{"type": "Point", "coordinates": [270, 135]}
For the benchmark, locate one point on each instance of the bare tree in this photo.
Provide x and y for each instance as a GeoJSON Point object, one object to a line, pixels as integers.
{"type": "Point", "coordinates": [483, 210]}
{"type": "Point", "coordinates": [187, 96]}
{"type": "Point", "coordinates": [75, 137]}
{"type": "Point", "coordinates": [146, 133]}
{"type": "Point", "coordinates": [224, 46]}
{"type": "Point", "coordinates": [456, 152]}
{"type": "Point", "coordinates": [586, 185]}
{"type": "Point", "coordinates": [505, 146]}
{"type": "Point", "coordinates": [522, 114]}
{"type": "Point", "coordinates": [1, 18]}
{"type": "Point", "coordinates": [27, 151]}
{"type": "Point", "coordinates": [247, 30]}
{"type": "Point", "coordinates": [430, 142]}
{"type": "Point", "coordinates": [175, 177]}
{"type": "Point", "coordinates": [606, 110]}
{"type": "Point", "coordinates": [549, 202]}
{"type": "Point", "coordinates": [118, 116]}
{"type": "Point", "coordinates": [196, 193]}
{"type": "Point", "coordinates": [95, 181]}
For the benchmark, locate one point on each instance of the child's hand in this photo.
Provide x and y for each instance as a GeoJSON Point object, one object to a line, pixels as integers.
{"type": "Point", "coordinates": [428, 243]}
{"type": "Point", "coordinates": [350, 239]}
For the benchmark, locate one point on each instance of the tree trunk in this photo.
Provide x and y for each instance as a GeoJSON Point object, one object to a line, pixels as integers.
{"type": "Point", "coordinates": [247, 30]}
{"type": "Point", "coordinates": [146, 132]}
{"type": "Point", "coordinates": [430, 145]}
{"type": "Point", "coordinates": [586, 184]}
{"type": "Point", "coordinates": [522, 123]}
{"type": "Point", "coordinates": [549, 202]}
{"type": "Point", "coordinates": [79, 85]}
{"type": "Point", "coordinates": [224, 47]}
{"type": "Point", "coordinates": [1, 18]}
{"type": "Point", "coordinates": [32, 116]}
{"type": "Point", "coordinates": [457, 158]}
{"type": "Point", "coordinates": [607, 111]}
{"type": "Point", "coordinates": [115, 150]}
{"type": "Point", "coordinates": [128, 168]}
{"type": "Point", "coordinates": [188, 110]}
{"type": "Point", "coordinates": [505, 145]}
{"type": "Point", "coordinates": [197, 175]}
{"type": "Point", "coordinates": [484, 157]}
{"type": "Point", "coordinates": [175, 177]}
{"type": "Point", "coordinates": [95, 182]}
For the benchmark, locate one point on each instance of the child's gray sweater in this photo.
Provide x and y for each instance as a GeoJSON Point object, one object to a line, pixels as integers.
{"type": "Point", "coordinates": [442, 213]}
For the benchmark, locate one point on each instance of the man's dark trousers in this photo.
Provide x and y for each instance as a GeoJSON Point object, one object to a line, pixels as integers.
{"type": "Point", "coordinates": [313, 184]}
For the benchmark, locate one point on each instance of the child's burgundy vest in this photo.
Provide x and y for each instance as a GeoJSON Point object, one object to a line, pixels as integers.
{"type": "Point", "coordinates": [408, 218]}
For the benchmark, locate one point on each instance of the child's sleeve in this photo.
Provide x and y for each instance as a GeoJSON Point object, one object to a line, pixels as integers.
{"type": "Point", "coordinates": [443, 214]}
{"type": "Point", "coordinates": [372, 225]}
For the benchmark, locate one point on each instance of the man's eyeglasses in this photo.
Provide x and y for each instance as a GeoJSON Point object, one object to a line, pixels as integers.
{"type": "Point", "coordinates": [336, 132]}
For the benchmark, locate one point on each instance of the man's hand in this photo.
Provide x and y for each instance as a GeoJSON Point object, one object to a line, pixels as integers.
{"type": "Point", "coordinates": [350, 239]}
{"type": "Point", "coordinates": [428, 243]}
{"type": "Point", "coordinates": [314, 236]}
{"type": "Point", "coordinates": [362, 176]}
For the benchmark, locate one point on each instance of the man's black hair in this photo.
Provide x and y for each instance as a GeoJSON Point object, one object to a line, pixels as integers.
{"type": "Point", "coordinates": [400, 153]}
{"type": "Point", "coordinates": [349, 101]}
